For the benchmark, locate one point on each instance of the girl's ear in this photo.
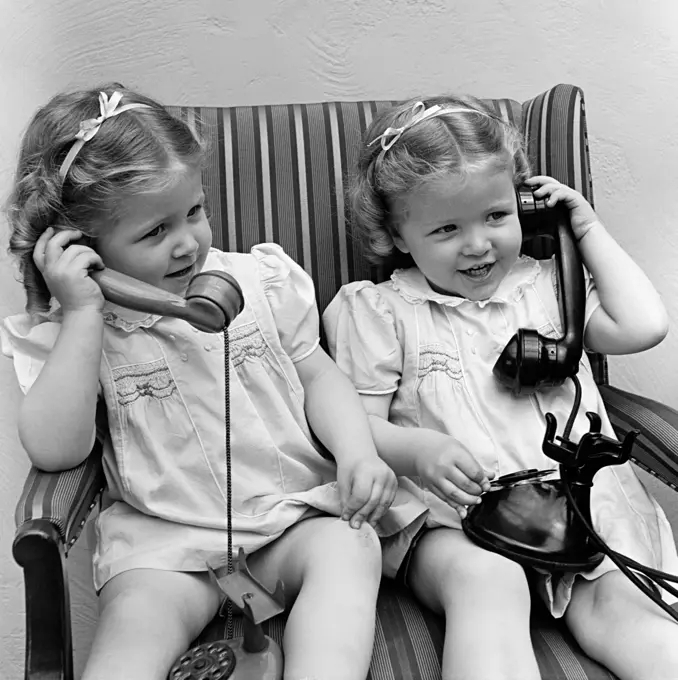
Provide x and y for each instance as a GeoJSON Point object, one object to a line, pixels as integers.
{"type": "Point", "coordinates": [394, 233]}
{"type": "Point", "coordinates": [399, 243]}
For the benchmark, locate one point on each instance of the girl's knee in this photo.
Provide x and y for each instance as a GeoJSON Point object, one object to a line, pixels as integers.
{"type": "Point", "coordinates": [488, 568]}
{"type": "Point", "coordinates": [597, 604]}
{"type": "Point", "coordinates": [363, 541]}
{"type": "Point", "coordinates": [447, 569]}
{"type": "Point", "coordinates": [152, 595]}
{"type": "Point", "coordinates": [604, 597]}
{"type": "Point", "coordinates": [338, 543]}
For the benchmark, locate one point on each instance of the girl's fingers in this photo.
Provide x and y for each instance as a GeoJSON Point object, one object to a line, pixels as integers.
{"type": "Point", "coordinates": [87, 259]}
{"type": "Point", "coordinates": [453, 495]}
{"type": "Point", "coordinates": [75, 252]}
{"type": "Point", "coordinates": [369, 507]}
{"type": "Point", "coordinates": [461, 481]}
{"type": "Point", "coordinates": [541, 179]}
{"type": "Point", "coordinates": [358, 495]}
{"type": "Point", "coordinates": [40, 247]}
{"type": "Point", "coordinates": [385, 502]}
{"type": "Point", "coordinates": [459, 507]}
{"type": "Point", "coordinates": [58, 243]}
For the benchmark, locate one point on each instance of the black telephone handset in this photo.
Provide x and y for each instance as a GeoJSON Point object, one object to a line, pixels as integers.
{"type": "Point", "coordinates": [530, 361]}
{"type": "Point", "coordinates": [213, 298]}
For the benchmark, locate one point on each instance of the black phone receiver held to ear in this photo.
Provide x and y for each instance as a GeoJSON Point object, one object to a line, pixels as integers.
{"type": "Point", "coordinates": [213, 298]}
{"type": "Point", "coordinates": [530, 361]}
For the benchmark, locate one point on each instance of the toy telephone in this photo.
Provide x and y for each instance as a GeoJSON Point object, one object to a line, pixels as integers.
{"type": "Point", "coordinates": [213, 299]}
{"type": "Point", "coordinates": [537, 517]}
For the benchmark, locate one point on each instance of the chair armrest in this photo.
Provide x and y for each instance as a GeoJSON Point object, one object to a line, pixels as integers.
{"type": "Point", "coordinates": [65, 498]}
{"type": "Point", "coordinates": [656, 449]}
{"type": "Point", "coordinates": [49, 516]}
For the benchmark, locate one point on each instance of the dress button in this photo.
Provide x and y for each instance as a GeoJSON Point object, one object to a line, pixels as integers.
{"type": "Point", "coordinates": [469, 331]}
{"type": "Point", "coordinates": [208, 348]}
{"type": "Point", "coordinates": [473, 350]}
{"type": "Point", "coordinates": [183, 357]}
{"type": "Point", "coordinates": [172, 337]}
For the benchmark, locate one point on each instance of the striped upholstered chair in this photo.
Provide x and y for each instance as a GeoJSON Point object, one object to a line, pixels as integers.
{"type": "Point", "coordinates": [276, 174]}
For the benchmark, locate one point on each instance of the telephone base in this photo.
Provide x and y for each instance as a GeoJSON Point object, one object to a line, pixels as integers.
{"type": "Point", "coordinates": [529, 556]}
{"type": "Point", "coordinates": [228, 660]}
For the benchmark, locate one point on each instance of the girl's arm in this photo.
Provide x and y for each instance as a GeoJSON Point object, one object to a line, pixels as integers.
{"type": "Point", "coordinates": [631, 316]}
{"type": "Point", "coordinates": [57, 415]}
{"type": "Point", "coordinates": [367, 486]}
{"type": "Point", "coordinates": [447, 469]}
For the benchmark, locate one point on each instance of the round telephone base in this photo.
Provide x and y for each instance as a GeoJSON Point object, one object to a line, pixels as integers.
{"type": "Point", "coordinates": [211, 661]}
{"type": "Point", "coordinates": [529, 556]}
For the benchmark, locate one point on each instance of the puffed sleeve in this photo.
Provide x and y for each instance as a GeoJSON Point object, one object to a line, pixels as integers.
{"type": "Point", "coordinates": [291, 297]}
{"type": "Point", "coordinates": [28, 342]}
{"type": "Point", "coordinates": [592, 297]}
{"type": "Point", "coordinates": [362, 338]}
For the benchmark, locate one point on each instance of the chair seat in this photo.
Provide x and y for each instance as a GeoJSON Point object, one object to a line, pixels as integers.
{"type": "Point", "coordinates": [409, 641]}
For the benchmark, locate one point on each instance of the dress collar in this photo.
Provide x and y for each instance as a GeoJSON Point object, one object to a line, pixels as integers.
{"type": "Point", "coordinates": [127, 319]}
{"type": "Point", "coordinates": [413, 287]}
{"type": "Point", "coordinates": [113, 315]}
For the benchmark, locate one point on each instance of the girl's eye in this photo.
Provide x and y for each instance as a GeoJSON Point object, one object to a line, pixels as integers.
{"type": "Point", "coordinates": [447, 229]}
{"type": "Point", "coordinates": [195, 210]}
{"type": "Point", "coordinates": [155, 232]}
{"type": "Point", "coordinates": [497, 215]}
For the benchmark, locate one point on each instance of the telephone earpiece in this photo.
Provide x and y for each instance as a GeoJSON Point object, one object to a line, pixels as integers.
{"type": "Point", "coordinates": [212, 301]}
{"type": "Point", "coordinates": [530, 361]}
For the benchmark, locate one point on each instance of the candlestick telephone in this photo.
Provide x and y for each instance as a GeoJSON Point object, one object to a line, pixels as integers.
{"type": "Point", "coordinates": [537, 517]}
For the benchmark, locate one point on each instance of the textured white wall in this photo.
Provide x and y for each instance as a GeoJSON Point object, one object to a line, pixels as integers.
{"type": "Point", "coordinates": [623, 53]}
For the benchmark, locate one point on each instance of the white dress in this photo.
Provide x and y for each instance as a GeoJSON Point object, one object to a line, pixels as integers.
{"type": "Point", "coordinates": [164, 455]}
{"type": "Point", "coordinates": [435, 354]}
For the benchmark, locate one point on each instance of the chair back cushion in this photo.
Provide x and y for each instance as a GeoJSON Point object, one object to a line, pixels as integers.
{"type": "Point", "coordinates": [277, 173]}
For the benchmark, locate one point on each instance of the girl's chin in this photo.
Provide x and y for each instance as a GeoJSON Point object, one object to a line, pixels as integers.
{"type": "Point", "coordinates": [469, 291]}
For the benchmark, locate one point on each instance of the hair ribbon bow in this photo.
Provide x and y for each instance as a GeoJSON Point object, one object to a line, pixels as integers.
{"type": "Point", "coordinates": [419, 112]}
{"type": "Point", "coordinates": [108, 108]}
{"type": "Point", "coordinates": [391, 135]}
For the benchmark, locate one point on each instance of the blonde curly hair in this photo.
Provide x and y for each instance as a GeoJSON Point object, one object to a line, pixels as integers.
{"type": "Point", "coordinates": [454, 142]}
{"type": "Point", "coordinates": [129, 155]}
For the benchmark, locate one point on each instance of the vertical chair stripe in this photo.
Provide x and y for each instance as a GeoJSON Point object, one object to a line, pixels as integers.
{"type": "Point", "coordinates": [332, 251]}
{"type": "Point", "coordinates": [424, 651]}
{"type": "Point", "coordinates": [346, 116]}
{"type": "Point", "coordinates": [305, 191]}
{"type": "Point", "coordinates": [230, 234]}
{"type": "Point", "coordinates": [288, 187]}
{"type": "Point", "coordinates": [265, 174]}
{"type": "Point", "coordinates": [576, 161]}
{"type": "Point", "coordinates": [341, 261]}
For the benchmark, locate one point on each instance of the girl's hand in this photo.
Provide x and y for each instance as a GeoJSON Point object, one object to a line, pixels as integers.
{"type": "Point", "coordinates": [452, 474]}
{"type": "Point", "coordinates": [582, 215]}
{"type": "Point", "coordinates": [367, 487]}
{"type": "Point", "coordinates": [65, 268]}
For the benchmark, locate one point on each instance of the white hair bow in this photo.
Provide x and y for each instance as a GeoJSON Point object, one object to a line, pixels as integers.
{"type": "Point", "coordinates": [419, 112]}
{"type": "Point", "coordinates": [88, 128]}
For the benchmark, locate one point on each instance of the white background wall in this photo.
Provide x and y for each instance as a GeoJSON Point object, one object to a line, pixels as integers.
{"type": "Point", "coordinates": [623, 53]}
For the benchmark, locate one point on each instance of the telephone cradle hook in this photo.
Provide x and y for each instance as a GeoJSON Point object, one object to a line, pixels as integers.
{"type": "Point", "coordinates": [578, 465]}
{"type": "Point", "coordinates": [579, 462]}
{"type": "Point", "coordinates": [254, 656]}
